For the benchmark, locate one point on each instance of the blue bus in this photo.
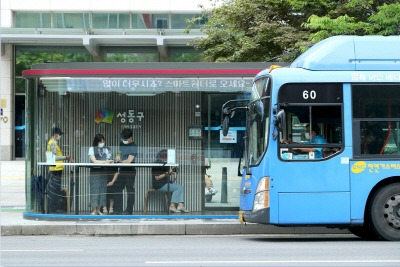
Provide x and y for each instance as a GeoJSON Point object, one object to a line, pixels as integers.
{"type": "Point", "coordinates": [322, 145]}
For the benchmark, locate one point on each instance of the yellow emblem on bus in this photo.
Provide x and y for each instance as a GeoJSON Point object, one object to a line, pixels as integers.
{"type": "Point", "coordinates": [358, 167]}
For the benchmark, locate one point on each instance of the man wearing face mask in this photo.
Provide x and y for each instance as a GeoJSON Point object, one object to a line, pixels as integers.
{"type": "Point", "coordinates": [127, 175]}
{"type": "Point", "coordinates": [314, 138]}
{"type": "Point", "coordinates": [54, 192]}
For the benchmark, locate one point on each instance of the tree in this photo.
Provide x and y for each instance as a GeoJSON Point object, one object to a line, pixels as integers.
{"type": "Point", "coordinates": [358, 17]}
{"type": "Point", "coordinates": [24, 61]}
{"type": "Point", "coordinates": [260, 30]}
{"type": "Point", "coordinates": [386, 21]}
{"type": "Point", "coordinates": [256, 30]}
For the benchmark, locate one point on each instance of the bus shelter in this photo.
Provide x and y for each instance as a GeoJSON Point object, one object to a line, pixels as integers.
{"type": "Point", "coordinates": [172, 106]}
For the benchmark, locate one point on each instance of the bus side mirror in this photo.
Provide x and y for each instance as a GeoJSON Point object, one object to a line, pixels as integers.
{"type": "Point", "coordinates": [241, 166]}
{"type": "Point", "coordinates": [225, 125]}
{"type": "Point", "coordinates": [225, 121]}
{"type": "Point", "coordinates": [279, 120]}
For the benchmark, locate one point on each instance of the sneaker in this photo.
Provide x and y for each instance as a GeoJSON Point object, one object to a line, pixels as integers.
{"type": "Point", "coordinates": [183, 210]}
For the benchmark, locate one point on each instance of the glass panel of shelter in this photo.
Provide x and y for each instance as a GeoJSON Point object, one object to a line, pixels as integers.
{"type": "Point", "coordinates": [222, 154]}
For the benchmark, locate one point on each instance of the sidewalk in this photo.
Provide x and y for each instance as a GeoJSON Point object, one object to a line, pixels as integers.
{"type": "Point", "coordinates": [13, 205]}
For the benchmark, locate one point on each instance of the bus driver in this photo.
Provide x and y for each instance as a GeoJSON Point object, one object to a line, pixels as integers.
{"type": "Point", "coordinates": [315, 138]}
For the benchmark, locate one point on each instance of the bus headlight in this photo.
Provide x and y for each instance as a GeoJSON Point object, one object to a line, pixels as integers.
{"type": "Point", "coordinates": [261, 198]}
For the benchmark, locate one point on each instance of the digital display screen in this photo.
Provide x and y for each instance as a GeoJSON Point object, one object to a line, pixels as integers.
{"type": "Point", "coordinates": [311, 93]}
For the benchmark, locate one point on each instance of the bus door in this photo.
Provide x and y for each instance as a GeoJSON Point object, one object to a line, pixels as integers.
{"type": "Point", "coordinates": [311, 176]}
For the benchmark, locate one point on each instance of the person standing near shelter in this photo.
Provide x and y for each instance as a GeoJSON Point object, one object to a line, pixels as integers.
{"type": "Point", "coordinates": [99, 175]}
{"type": "Point", "coordinates": [54, 193]}
{"type": "Point", "coordinates": [111, 191]}
{"type": "Point", "coordinates": [126, 178]}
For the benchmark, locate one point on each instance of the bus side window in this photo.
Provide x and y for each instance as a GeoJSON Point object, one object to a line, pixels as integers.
{"type": "Point", "coordinates": [376, 113]}
{"type": "Point", "coordinates": [373, 138]}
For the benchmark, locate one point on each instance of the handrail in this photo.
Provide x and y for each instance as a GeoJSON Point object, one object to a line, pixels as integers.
{"type": "Point", "coordinates": [389, 128]}
{"type": "Point", "coordinates": [387, 138]}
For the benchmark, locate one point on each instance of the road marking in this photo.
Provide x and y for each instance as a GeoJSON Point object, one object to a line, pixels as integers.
{"type": "Point", "coordinates": [41, 250]}
{"type": "Point", "coordinates": [271, 261]}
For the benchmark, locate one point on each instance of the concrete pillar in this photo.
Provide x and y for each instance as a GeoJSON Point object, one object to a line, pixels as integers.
{"type": "Point", "coordinates": [7, 104]}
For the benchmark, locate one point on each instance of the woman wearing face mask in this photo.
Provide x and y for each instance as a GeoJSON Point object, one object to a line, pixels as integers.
{"type": "Point", "coordinates": [98, 175]}
{"type": "Point", "coordinates": [314, 138]}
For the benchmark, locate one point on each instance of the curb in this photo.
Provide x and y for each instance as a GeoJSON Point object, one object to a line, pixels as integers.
{"type": "Point", "coordinates": [169, 228]}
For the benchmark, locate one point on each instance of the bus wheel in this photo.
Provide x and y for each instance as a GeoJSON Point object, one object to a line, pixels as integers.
{"type": "Point", "coordinates": [385, 212]}
{"type": "Point", "coordinates": [363, 231]}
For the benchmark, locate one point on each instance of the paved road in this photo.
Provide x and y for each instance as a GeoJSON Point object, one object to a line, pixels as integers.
{"type": "Point", "coordinates": [244, 250]}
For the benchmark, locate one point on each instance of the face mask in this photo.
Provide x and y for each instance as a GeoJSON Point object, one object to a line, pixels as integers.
{"type": "Point", "coordinates": [101, 145]}
{"type": "Point", "coordinates": [58, 137]}
{"type": "Point", "coordinates": [125, 142]}
{"type": "Point", "coordinates": [307, 136]}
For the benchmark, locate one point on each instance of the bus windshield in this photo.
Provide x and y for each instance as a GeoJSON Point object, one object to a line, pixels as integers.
{"type": "Point", "coordinates": [258, 120]}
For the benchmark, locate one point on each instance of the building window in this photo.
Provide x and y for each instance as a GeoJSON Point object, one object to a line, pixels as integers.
{"type": "Point", "coordinates": [185, 54]}
{"type": "Point", "coordinates": [131, 54]}
{"type": "Point", "coordinates": [19, 86]}
{"type": "Point", "coordinates": [32, 20]}
{"type": "Point", "coordinates": [138, 21]}
{"type": "Point", "coordinates": [178, 21]}
{"type": "Point", "coordinates": [71, 20]}
{"type": "Point", "coordinates": [106, 20]}
{"type": "Point", "coordinates": [156, 21]}
{"type": "Point", "coordinates": [111, 21]}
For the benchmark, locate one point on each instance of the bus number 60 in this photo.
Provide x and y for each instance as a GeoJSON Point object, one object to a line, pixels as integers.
{"type": "Point", "coordinates": [309, 94]}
